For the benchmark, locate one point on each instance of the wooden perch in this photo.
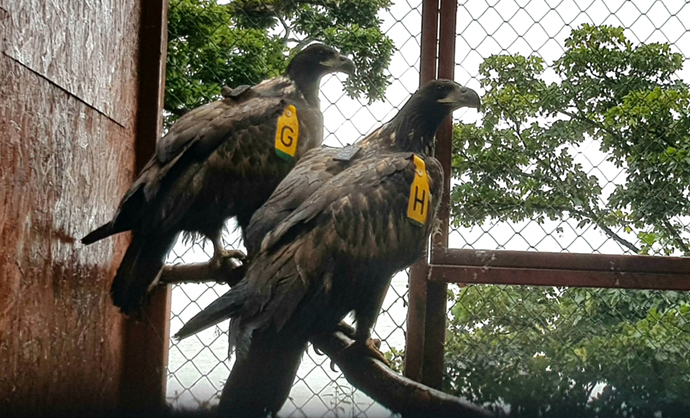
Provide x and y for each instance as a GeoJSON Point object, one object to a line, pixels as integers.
{"type": "Point", "coordinates": [227, 272]}
{"type": "Point", "coordinates": [371, 376]}
{"type": "Point", "coordinates": [395, 392]}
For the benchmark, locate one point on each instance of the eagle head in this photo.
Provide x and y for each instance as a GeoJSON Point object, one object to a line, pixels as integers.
{"type": "Point", "coordinates": [449, 95]}
{"type": "Point", "coordinates": [317, 60]}
{"type": "Point", "coordinates": [417, 122]}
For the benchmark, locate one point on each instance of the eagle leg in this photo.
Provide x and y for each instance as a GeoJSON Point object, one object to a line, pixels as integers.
{"type": "Point", "coordinates": [365, 317]}
{"type": "Point", "coordinates": [221, 256]}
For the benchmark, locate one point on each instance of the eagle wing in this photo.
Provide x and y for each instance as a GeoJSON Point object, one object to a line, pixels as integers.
{"type": "Point", "coordinates": [167, 186]}
{"type": "Point", "coordinates": [357, 217]}
{"type": "Point", "coordinates": [314, 169]}
{"type": "Point", "coordinates": [244, 132]}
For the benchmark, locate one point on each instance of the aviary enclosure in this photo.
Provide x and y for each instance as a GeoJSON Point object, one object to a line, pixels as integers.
{"type": "Point", "coordinates": [533, 280]}
{"type": "Point", "coordinates": [555, 284]}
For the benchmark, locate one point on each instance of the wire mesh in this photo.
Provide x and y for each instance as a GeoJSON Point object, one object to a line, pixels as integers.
{"type": "Point", "coordinates": [595, 352]}
{"type": "Point", "coordinates": [540, 29]}
{"type": "Point", "coordinates": [199, 365]}
{"type": "Point", "coordinates": [571, 162]}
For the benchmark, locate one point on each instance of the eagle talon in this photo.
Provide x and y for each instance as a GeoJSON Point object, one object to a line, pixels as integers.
{"type": "Point", "coordinates": [236, 254]}
{"type": "Point", "coordinates": [370, 348]}
{"type": "Point", "coordinates": [227, 258]}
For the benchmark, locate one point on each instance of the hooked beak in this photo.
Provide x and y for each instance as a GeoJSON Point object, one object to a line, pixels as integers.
{"type": "Point", "coordinates": [462, 97]}
{"type": "Point", "coordinates": [342, 64]}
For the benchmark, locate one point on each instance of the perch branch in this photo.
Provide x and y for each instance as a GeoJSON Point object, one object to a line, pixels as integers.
{"type": "Point", "coordinates": [393, 391]}
{"type": "Point", "coordinates": [226, 272]}
{"type": "Point", "coordinates": [370, 375]}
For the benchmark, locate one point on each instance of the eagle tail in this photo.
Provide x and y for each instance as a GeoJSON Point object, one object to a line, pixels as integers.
{"type": "Point", "coordinates": [218, 311]}
{"type": "Point", "coordinates": [138, 270]}
{"type": "Point", "coordinates": [261, 380]}
{"type": "Point", "coordinates": [102, 232]}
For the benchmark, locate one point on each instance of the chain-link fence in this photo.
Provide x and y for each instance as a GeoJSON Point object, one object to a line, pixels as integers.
{"type": "Point", "coordinates": [588, 164]}
{"type": "Point", "coordinates": [578, 150]}
{"type": "Point", "coordinates": [199, 365]}
{"type": "Point", "coordinates": [592, 225]}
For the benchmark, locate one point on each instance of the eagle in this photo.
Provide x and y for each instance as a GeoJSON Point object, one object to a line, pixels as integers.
{"type": "Point", "coordinates": [327, 242]}
{"type": "Point", "coordinates": [218, 161]}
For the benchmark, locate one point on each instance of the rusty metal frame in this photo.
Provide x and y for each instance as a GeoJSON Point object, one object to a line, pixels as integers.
{"type": "Point", "coordinates": [429, 277]}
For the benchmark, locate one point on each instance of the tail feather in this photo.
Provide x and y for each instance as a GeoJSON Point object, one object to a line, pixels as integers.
{"type": "Point", "coordinates": [260, 381]}
{"type": "Point", "coordinates": [218, 311]}
{"type": "Point", "coordinates": [138, 270]}
{"type": "Point", "coordinates": [102, 232]}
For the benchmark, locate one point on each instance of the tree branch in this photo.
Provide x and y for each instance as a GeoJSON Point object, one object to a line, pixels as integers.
{"type": "Point", "coordinates": [624, 242]}
{"type": "Point", "coordinates": [226, 272]}
{"type": "Point", "coordinates": [589, 214]}
{"type": "Point", "coordinates": [371, 376]}
{"type": "Point", "coordinates": [395, 392]}
{"type": "Point", "coordinates": [286, 27]}
{"type": "Point", "coordinates": [676, 237]}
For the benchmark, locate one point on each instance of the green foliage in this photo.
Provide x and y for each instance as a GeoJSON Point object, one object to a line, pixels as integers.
{"type": "Point", "coordinates": [519, 163]}
{"type": "Point", "coordinates": [395, 359]}
{"type": "Point", "coordinates": [577, 352]}
{"type": "Point", "coordinates": [571, 352]}
{"type": "Point", "coordinates": [245, 41]}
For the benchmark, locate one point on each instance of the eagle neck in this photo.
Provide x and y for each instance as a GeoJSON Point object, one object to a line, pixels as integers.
{"type": "Point", "coordinates": [415, 128]}
{"type": "Point", "coordinates": [308, 85]}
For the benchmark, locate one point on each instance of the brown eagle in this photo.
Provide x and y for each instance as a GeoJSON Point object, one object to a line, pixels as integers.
{"type": "Point", "coordinates": [218, 161]}
{"type": "Point", "coordinates": [327, 242]}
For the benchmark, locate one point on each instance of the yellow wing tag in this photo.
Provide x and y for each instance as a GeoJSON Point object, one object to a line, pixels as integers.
{"type": "Point", "coordinates": [287, 134]}
{"type": "Point", "coordinates": [418, 203]}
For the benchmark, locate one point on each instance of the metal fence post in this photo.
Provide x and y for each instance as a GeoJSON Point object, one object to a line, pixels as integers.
{"type": "Point", "coordinates": [435, 323]}
{"type": "Point", "coordinates": [416, 316]}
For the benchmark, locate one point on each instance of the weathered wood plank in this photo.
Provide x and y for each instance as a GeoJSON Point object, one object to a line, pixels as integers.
{"type": "Point", "coordinates": [68, 100]}
{"type": "Point", "coordinates": [88, 48]}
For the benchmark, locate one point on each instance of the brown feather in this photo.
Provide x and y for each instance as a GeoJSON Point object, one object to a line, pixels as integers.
{"type": "Point", "coordinates": [335, 233]}
{"type": "Point", "coordinates": [218, 161]}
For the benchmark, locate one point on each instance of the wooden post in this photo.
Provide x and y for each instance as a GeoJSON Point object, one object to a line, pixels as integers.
{"type": "Point", "coordinates": [142, 387]}
{"type": "Point", "coordinates": [427, 311]}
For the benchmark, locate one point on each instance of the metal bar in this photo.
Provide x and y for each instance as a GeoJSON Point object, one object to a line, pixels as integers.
{"type": "Point", "coordinates": [414, 344]}
{"type": "Point", "coordinates": [416, 315]}
{"type": "Point", "coordinates": [427, 65]}
{"type": "Point", "coordinates": [435, 322]}
{"type": "Point", "coordinates": [555, 277]}
{"type": "Point", "coordinates": [563, 261]}
{"type": "Point", "coordinates": [142, 384]}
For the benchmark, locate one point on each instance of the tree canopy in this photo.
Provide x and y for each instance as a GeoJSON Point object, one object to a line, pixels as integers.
{"type": "Point", "coordinates": [572, 352]}
{"type": "Point", "coordinates": [519, 164]}
{"type": "Point", "coordinates": [246, 41]}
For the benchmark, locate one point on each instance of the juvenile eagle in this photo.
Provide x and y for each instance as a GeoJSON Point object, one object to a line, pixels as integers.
{"type": "Point", "coordinates": [220, 160]}
{"type": "Point", "coordinates": [327, 242]}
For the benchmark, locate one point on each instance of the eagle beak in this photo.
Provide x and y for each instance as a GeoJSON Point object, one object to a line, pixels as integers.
{"type": "Point", "coordinates": [462, 97]}
{"type": "Point", "coordinates": [340, 63]}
